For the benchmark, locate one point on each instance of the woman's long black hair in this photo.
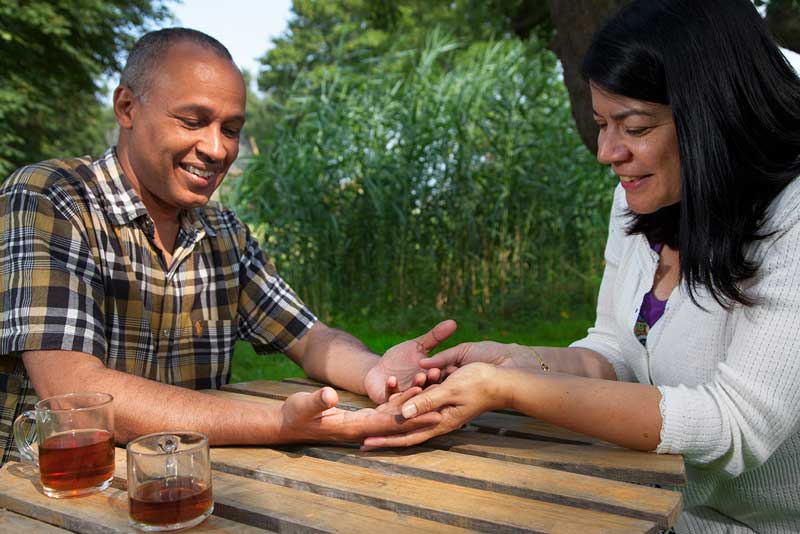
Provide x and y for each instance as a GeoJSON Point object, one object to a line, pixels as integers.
{"type": "Point", "coordinates": [736, 104]}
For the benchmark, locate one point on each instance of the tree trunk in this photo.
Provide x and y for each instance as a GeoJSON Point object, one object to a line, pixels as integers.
{"type": "Point", "coordinates": [576, 22]}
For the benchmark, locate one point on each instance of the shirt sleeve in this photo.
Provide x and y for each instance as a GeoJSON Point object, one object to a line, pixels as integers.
{"type": "Point", "coordinates": [52, 291]}
{"type": "Point", "coordinates": [736, 421]}
{"type": "Point", "coordinates": [271, 316]}
{"type": "Point", "coordinates": [602, 337]}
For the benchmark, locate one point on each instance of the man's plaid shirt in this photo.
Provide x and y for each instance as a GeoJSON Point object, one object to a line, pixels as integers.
{"type": "Point", "coordinates": [79, 271]}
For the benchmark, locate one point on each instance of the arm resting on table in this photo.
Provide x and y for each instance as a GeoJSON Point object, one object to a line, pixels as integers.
{"type": "Point", "coordinates": [142, 406]}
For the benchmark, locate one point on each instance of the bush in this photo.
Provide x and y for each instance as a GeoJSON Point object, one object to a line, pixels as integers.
{"type": "Point", "coordinates": [449, 178]}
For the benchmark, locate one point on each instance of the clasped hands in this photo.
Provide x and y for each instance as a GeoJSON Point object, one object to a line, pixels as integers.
{"type": "Point", "coordinates": [407, 414]}
{"type": "Point", "coordinates": [473, 377]}
{"type": "Point", "coordinates": [395, 378]}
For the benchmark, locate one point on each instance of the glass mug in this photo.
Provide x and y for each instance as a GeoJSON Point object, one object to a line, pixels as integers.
{"type": "Point", "coordinates": [169, 480]}
{"type": "Point", "coordinates": [75, 434]}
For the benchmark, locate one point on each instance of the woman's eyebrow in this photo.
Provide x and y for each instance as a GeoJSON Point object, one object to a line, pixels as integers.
{"type": "Point", "coordinates": [622, 115]}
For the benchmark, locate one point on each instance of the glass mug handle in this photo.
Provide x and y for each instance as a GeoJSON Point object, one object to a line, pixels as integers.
{"type": "Point", "coordinates": [24, 438]}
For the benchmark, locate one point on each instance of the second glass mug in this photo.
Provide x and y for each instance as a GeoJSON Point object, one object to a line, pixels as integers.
{"type": "Point", "coordinates": [169, 480]}
{"type": "Point", "coordinates": [75, 434]}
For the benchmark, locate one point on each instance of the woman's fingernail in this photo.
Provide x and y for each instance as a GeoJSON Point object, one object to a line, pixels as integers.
{"type": "Point", "coordinates": [409, 410]}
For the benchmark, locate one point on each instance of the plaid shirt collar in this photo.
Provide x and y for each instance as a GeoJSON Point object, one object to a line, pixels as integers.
{"type": "Point", "coordinates": [123, 205]}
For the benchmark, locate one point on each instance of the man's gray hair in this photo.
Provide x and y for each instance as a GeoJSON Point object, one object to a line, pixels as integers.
{"type": "Point", "coordinates": [148, 51]}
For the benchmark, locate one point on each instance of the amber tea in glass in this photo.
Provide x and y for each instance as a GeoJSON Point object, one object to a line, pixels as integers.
{"type": "Point", "coordinates": [75, 436]}
{"type": "Point", "coordinates": [169, 481]}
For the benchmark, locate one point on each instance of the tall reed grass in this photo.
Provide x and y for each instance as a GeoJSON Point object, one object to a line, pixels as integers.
{"type": "Point", "coordinates": [448, 178]}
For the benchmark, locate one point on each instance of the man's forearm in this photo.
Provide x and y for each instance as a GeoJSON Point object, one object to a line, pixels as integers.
{"type": "Point", "coordinates": [142, 406]}
{"type": "Point", "coordinates": [334, 357]}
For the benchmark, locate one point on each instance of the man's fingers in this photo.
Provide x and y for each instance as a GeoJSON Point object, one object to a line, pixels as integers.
{"type": "Point", "coordinates": [307, 406]}
{"type": "Point", "coordinates": [434, 375]}
{"type": "Point", "coordinates": [419, 379]}
{"type": "Point", "coordinates": [438, 333]}
{"type": "Point", "coordinates": [326, 398]}
{"type": "Point", "coordinates": [391, 388]}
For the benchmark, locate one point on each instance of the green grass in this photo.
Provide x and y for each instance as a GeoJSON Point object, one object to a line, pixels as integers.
{"type": "Point", "coordinates": [380, 335]}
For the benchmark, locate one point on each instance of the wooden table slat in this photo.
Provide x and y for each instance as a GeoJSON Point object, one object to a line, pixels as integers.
{"type": "Point", "coordinates": [280, 390]}
{"type": "Point", "coordinates": [448, 503]}
{"type": "Point", "coordinates": [549, 485]}
{"type": "Point", "coordinates": [20, 524]}
{"type": "Point", "coordinates": [606, 462]}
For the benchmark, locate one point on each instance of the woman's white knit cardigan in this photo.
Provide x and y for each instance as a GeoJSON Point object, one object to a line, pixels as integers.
{"type": "Point", "coordinates": [729, 380]}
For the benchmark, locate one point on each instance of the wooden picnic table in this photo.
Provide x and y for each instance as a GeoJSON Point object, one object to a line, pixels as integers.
{"type": "Point", "coordinates": [504, 472]}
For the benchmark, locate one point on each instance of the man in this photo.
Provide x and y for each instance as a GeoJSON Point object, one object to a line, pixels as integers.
{"type": "Point", "coordinates": [118, 275]}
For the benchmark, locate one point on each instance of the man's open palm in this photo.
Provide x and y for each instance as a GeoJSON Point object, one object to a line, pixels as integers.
{"type": "Point", "coordinates": [399, 367]}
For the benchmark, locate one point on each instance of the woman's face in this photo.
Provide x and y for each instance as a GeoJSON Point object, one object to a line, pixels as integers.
{"type": "Point", "coordinates": [638, 140]}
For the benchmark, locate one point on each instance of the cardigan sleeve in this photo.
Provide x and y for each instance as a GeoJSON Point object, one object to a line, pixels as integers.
{"type": "Point", "coordinates": [752, 405]}
{"type": "Point", "coordinates": [602, 337]}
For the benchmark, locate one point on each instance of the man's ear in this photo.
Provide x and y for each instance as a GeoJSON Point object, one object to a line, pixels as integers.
{"type": "Point", "coordinates": [124, 106]}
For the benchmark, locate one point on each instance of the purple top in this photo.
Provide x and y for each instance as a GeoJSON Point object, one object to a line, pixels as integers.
{"type": "Point", "coordinates": [651, 309]}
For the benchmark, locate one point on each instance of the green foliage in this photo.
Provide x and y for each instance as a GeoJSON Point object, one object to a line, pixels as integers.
{"type": "Point", "coordinates": [351, 34]}
{"type": "Point", "coordinates": [380, 335]}
{"type": "Point", "coordinates": [445, 177]}
{"type": "Point", "coordinates": [248, 365]}
{"type": "Point", "coordinates": [52, 54]}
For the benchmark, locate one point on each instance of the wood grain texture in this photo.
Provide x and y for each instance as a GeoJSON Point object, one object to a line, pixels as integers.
{"type": "Point", "coordinates": [20, 524]}
{"type": "Point", "coordinates": [105, 512]}
{"type": "Point", "coordinates": [280, 390]}
{"type": "Point", "coordinates": [450, 504]}
{"type": "Point", "coordinates": [607, 462]}
{"type": "Point", "coordinates": [282, 508]}
{"type": "Point", "coordinates": [549, 485]}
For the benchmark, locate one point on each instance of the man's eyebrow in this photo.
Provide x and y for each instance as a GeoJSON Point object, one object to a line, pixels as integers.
{"type": "Point", "coordinates": [197, 108]}
{"type": "Point", "coordinates": [622, 115]}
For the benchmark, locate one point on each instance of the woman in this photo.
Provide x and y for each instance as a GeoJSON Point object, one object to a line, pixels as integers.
{"type": "Point", "coordinates": [695, 349]}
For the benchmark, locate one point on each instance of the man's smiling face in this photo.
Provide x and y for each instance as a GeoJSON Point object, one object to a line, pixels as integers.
{"type": "Point", "coordinates": [181, 136]}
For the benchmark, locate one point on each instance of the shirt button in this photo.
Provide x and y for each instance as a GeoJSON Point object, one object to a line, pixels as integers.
{"type": "Point", "coordinates": [166, 333]}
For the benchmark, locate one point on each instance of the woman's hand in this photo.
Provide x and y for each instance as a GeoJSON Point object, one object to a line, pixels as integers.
{"type": "Point", "coordinates": [499, 354]}
{"type": "Point", "coordinates": [468, 392]}
{"type": "Point", "coordinates": [314, 417]}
